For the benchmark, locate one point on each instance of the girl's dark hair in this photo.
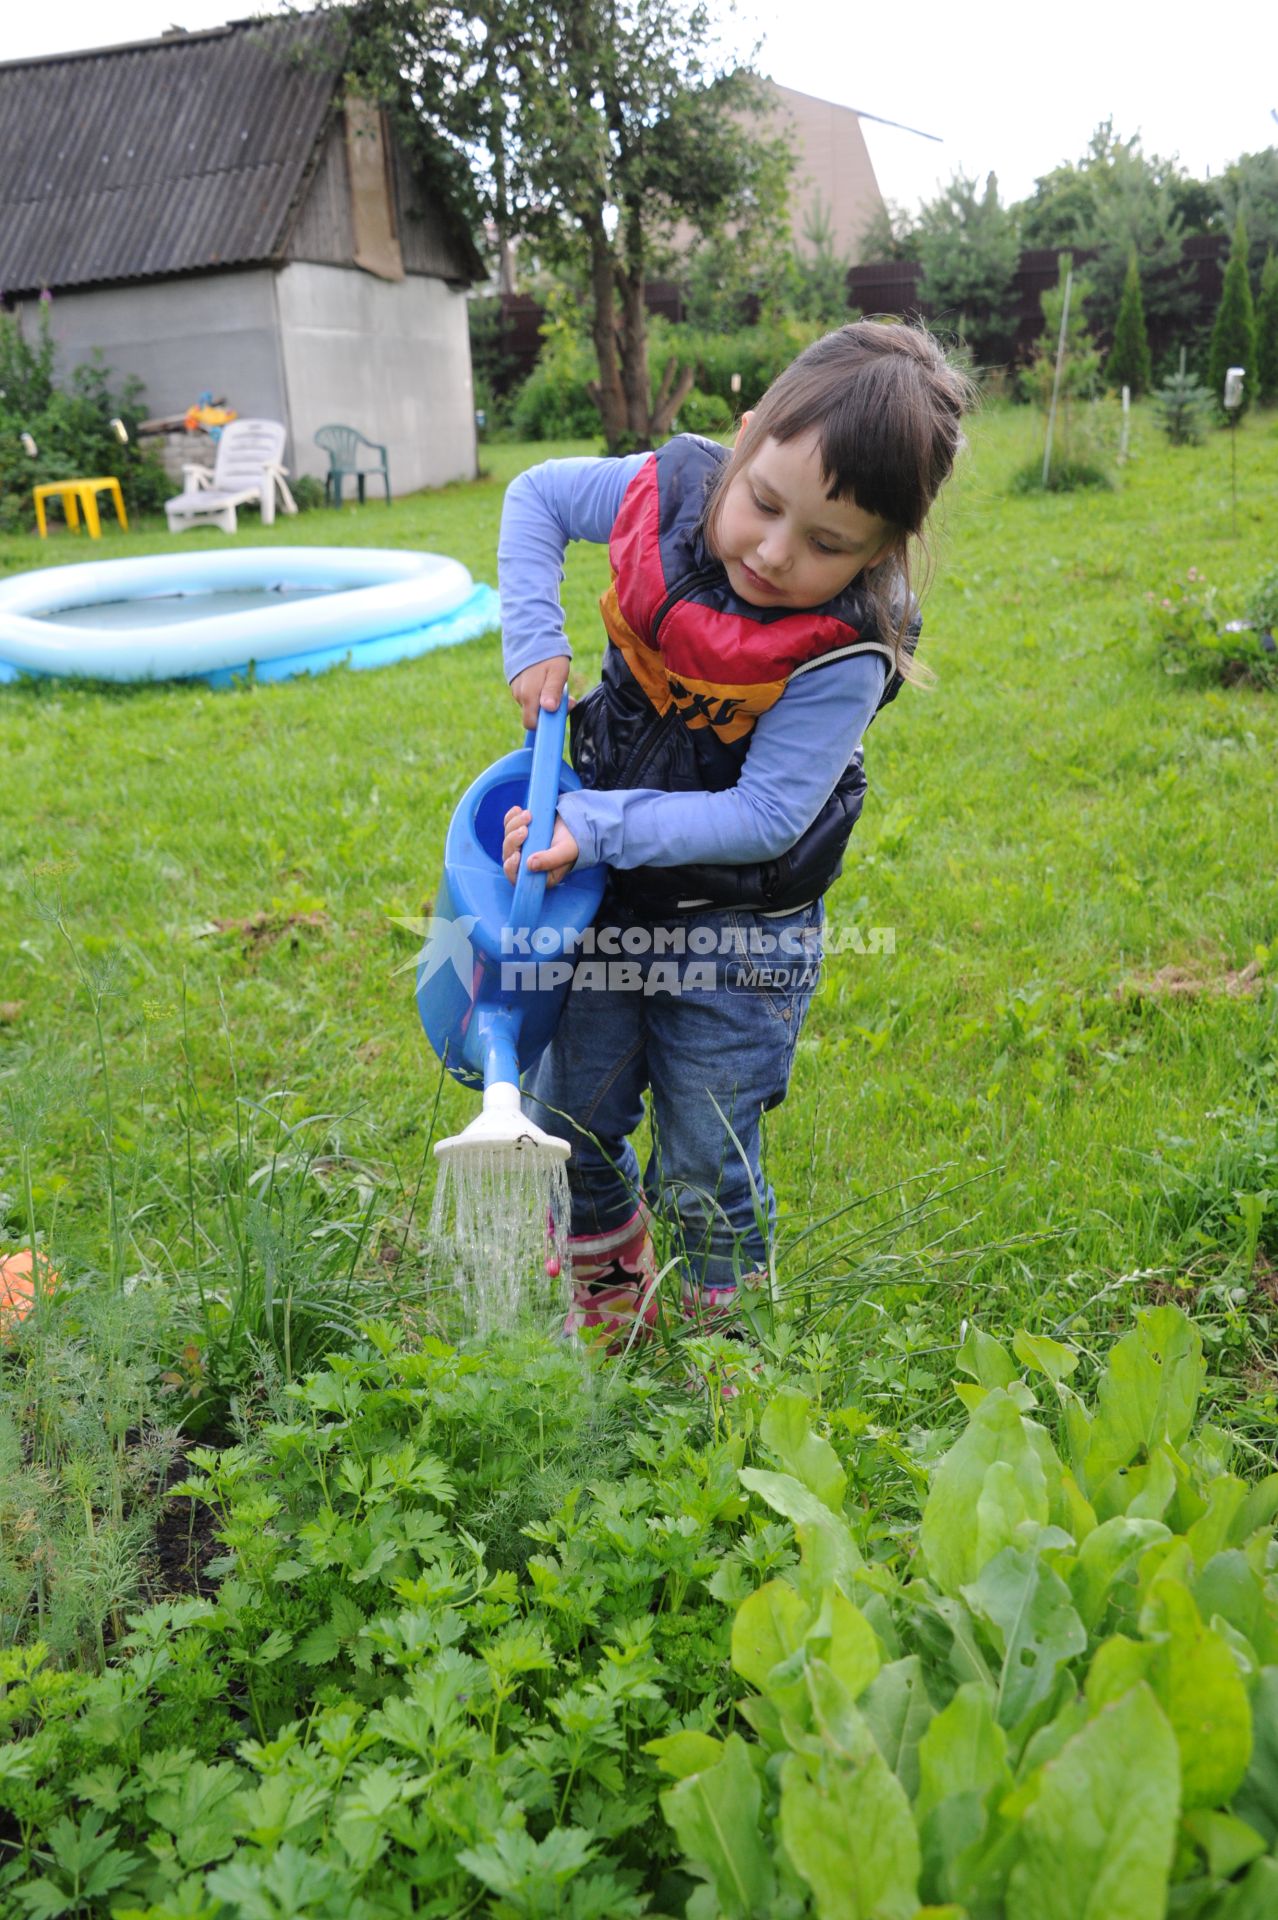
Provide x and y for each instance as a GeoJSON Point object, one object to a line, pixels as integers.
{"type": "Point", "coordinates": [888, 407]}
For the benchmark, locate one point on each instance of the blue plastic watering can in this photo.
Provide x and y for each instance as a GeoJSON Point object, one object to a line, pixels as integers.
{"type": "Point", "coordinates": [492, 978]}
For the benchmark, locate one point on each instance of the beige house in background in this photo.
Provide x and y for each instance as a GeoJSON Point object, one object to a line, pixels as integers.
{"type": "Point", "coordinates": [833, 172]}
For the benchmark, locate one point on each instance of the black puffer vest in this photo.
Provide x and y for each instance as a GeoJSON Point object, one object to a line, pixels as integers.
{"type": "Point", "coordinates": [687, 671]}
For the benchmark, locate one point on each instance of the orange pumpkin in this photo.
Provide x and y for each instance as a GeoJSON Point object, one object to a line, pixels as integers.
{"type": "Point", "coordinates": [17, 1286]}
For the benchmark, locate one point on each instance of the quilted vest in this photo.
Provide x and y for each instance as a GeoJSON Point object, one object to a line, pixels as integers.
{"type": "Point", "coordinates": [688, 670]}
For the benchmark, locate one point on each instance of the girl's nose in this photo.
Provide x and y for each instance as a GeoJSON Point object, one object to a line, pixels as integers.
{"type": "Point", "coordinates": [774, 550]}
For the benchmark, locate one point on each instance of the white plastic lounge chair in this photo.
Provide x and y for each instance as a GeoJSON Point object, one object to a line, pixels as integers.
{"type": "Point", "coordinates": [247, 471]}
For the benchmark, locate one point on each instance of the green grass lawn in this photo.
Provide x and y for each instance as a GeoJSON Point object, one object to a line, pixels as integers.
{"type": "Point", "coordinates": [1050, 829]}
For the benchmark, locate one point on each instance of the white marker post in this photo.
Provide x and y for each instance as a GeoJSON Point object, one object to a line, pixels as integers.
{"type": "Point", "coordinates": [1233, 397]}
{"type": "Point", "coordinates": [1056, 382]}
{"type": "Point", "coordinates": [1127, 424]}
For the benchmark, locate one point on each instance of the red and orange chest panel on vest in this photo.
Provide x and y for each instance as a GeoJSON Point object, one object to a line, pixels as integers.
{"type": "Point", "coordinates": [688, 639]}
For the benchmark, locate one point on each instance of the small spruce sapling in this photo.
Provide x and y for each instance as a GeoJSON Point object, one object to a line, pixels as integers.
{"type": "Point", "coordinates": [1184, 406]}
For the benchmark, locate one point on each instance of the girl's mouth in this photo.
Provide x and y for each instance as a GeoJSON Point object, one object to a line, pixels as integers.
{"type": "Point", "coordinates": [759, 585]}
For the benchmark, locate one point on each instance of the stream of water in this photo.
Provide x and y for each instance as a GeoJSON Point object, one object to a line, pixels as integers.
{"type": "Point", "coordinates": [500, 1226]}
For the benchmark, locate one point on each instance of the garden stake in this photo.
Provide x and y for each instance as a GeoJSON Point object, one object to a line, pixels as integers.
{"type": "Point", "coordinates": [1056, 381]}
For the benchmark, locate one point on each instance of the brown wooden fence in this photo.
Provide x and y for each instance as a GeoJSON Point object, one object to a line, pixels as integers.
{"type": "Point", "coordinates": [891, 286]}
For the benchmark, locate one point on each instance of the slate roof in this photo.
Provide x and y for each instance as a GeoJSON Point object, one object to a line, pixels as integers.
{"type": "Point", "coordinates": [161, 157]}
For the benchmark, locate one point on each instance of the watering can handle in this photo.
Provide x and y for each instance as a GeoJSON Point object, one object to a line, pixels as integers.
{"type": "Point", "coordinates": [547, 743]}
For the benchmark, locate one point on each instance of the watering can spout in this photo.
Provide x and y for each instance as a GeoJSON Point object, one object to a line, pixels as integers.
{"type": "Point", "coordinates": [502, 1128]}
{"type": "Point", "coordinates": [501, 1124]}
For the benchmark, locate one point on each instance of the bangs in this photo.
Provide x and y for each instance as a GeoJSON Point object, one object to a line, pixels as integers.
{"type": "Point", "coordinates": [872, 452]}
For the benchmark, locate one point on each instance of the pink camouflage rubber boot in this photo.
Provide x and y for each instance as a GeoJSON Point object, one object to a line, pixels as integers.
{"type": "Point", "coordinates": [614, 1280]}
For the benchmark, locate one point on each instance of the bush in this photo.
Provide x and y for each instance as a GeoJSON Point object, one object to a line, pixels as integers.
{"type": "Point", "coordinates": [70, 424]}
{"type": "Point", "coordinates": [1262, 602]}
{"type": "Point", "coordinates": [1065, 476]}
{"type": "Point", "coordinates": [308, 492]}
{"type": "Point", "coordinates": [1195, 640]}
{"type": "Point", "coordinates": [554, 402]}
{"type": "Point", "coordinates": [703, 413]}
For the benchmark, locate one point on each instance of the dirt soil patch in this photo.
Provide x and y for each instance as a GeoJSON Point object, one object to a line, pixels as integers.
{"type": "Point", "coordinates": [1188, 983]}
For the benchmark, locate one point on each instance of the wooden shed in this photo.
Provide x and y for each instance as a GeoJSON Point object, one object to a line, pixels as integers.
{"type": "Point", "coordinates": [212, 213]}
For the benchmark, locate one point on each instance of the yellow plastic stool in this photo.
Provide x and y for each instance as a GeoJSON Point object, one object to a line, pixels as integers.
{"type": "Point", "coordinates": [81, 496]}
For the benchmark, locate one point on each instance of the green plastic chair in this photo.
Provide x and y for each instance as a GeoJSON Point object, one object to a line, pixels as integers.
{"type": "Point", "coordinates": [342, 445]}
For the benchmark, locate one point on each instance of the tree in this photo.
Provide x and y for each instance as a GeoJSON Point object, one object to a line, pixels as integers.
{"type": "Point", "coordinates": [1267, 332]}
{"type": "Point", "coordinates": [1128, 364]}
{"type": "Point", "coordinates": [1248, 188]}
{"type": "Point", "coordinates": [594, 128]}
{"type": "Point", "coordinates": [1233, 337]}
{"type": "Point", "coordinates": [888, 234]}
{"type": "Point", "coordinates": [968, 251]}
{"type": "Point", "coordinates": [1116, 199]}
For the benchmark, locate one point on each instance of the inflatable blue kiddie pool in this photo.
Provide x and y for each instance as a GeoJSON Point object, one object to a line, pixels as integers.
{"type": "Point", "coordinates": [274, 611]}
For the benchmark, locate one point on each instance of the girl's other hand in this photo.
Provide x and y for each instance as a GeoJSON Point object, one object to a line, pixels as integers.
{"type": "Point", "coordinates": [559, 858]}
{"type": "Point", "coordinates": [541, 686]}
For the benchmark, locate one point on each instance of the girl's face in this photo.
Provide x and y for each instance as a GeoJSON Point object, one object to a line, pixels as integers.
{"type": "Point", "coordinates": [781, 541]}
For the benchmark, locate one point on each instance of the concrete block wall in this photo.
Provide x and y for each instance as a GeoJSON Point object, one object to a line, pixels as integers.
{"type": "Point", "coordinates": [305, 344]}
{"type": "Point", "coordinates": [390, 357]}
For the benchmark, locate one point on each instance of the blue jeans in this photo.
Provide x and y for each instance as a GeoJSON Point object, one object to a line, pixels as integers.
{"type": "Point", "coordinates": [704, 1010]}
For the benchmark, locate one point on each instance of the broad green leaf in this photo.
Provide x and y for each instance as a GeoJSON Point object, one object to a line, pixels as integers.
{"type": "Point", "coordinates": [958, 1535]}
{"type": "Point", "coordinates": [1256, 1511]}
{"type": "Point", "coordinates": [899, 1712]}
{"type": "Point", "coordinates": [715, 1817]}
{"type": "Point", "coordinates": [768, 1628]}
{"type": "Point", "coordinates": [1118, 1665]}
{"type": "Point", "coordinates": [1228, 1843]}
{"type": "Point", "coordinates": [1197, 1682]}
{"type": "Point", "coordinates": [1034, 1626]}
{"type": "Point", "coordinates": [836, 1722]}
{"type": "Point", "coordinates": [1097, 1842]}
{"type": "Point", "coordinates": [680, 1754]}
{"type": "Point", "coordinates": [1147, 1393]}
{"type": "Point", "coordinates": [986, 1360]}
{"type": "Point", "coordinates": [1152, 1489]}
{"type": "Point", "coordinates": [843, 1637]}
{"type": "Point", "coordinates": [1210, 1534]}
{"type": "Point", "coordinates": [1044, 1355]}
{"type": "Point", "coordinates": [1256, 1801]}
{"type": "Point", "coordinates": [825, 1539]}
{"type": "Point", "coordinates": [1229, 1587]}
{"type": "Point", "coordinates": [963, 1751]}
{"type": "Point", "coordinates": [1104, 1557]}
{"type": "Point", "coordinates": [787, 1428]}
{"type": "Point", "coordinates": [851, 1837]}
{"type": "Point", "coordinates": [1255, 1898]}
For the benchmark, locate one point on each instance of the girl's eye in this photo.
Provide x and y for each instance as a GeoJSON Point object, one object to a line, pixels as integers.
{"type": "Point", "coordinates": [762, 505]}
{"type": "Point", "coordinates": [822, 548]}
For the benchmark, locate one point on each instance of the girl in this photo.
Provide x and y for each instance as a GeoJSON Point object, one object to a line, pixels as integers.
{"type": "Point", "coordinates": [759, 616]}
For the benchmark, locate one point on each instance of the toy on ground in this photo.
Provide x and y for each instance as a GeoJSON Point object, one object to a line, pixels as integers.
{"type": "Point", "coordinates": [18, 1273]}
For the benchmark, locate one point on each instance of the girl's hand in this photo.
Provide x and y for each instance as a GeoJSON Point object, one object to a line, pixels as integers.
{"type": "Point", "coordinates": [559, 858]}
{"type": "Point", "coordinates": [541, 687]}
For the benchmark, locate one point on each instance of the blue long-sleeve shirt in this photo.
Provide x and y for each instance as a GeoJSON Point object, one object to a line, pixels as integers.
{"type": "Point", "coordinates": [798, 748]}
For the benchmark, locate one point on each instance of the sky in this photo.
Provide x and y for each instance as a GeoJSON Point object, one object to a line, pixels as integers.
{"type": "Point", "coordinates": [1012, 88]}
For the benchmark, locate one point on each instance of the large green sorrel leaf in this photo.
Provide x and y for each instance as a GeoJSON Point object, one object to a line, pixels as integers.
{"type": "Point", "coordinates": [1097, 1841]}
